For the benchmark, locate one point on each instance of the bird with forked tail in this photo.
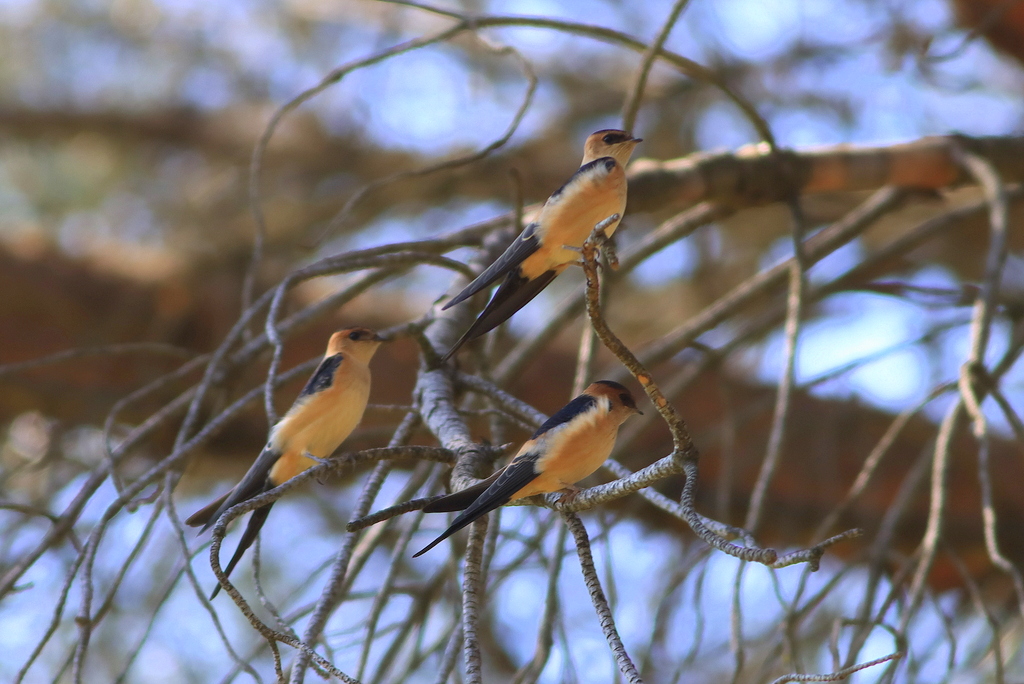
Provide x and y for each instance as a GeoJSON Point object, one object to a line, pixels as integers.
{"type": "Point", "coordinates": [551, 243]}
{"type": "Point", "coordinates": [325, 413]}
{"type": "Point", "coordinates": [568, 447]}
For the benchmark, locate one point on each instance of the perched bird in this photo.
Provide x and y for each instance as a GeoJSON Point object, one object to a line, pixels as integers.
{"type": "Point", "coordinates": [569, 446]}
{"type": "Point", "coordinates": [322, 417]}
{"type": "Point", "coordinates": [548, 245]}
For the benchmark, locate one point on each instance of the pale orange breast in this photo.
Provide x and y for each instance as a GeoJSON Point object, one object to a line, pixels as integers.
{"type": "Point", "coordinates": [572, 460]}
{"type": "Point", "coordinates": [573, 453]}
{"type": "Point", "coordinates": [319, 424]}
{"type": "Point", "coordinates": [570, 220]}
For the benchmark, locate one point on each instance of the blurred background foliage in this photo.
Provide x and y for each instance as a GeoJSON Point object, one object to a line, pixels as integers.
{"type": "Point", "coordinates": [126, 133]}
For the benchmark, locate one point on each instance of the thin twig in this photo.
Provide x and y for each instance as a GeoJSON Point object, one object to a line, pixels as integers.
{"type": "Point", "coordinates": [604, 613]}
{"type": "Point", "coordinates": [127, 348]}
{"type": "Point", "coordinates": [795, 302]}
{"type": "Point", "coordinates": [632, 104]}
{"type": "Point", "coordinates": [840, 674]}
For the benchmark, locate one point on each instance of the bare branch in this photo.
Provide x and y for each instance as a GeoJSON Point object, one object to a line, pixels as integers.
{"type": "Point", "coordinates": [839, 675]}
{"type": "Point", "coordinates": [604, 613]}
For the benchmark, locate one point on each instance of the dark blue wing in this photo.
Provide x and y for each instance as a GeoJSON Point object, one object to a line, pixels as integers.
{"type": "Point", "coordinates": [514, 477]}
{"type": "Point", "coordinates": [523, 246]}
{"type": "Point", "coordinates": [256, 481]}
{"type": "Point", "coordinates": [462, 499]}
{"type": "Point", "coordinates": [577, 406]}
{"type": "Point", "coordinates": [514, 294]}
{"type": "Point", "coordinates": [323, 376]}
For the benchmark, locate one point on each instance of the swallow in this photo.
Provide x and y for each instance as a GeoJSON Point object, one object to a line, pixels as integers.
{"type": "Point", "coordinates": [550, 244]}
{"type": "Point", "coordinates": [329, 407]}
{"type": "Point", "coordinates": [568, 447]}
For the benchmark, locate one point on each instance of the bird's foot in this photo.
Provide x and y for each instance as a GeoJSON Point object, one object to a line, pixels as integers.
{"type": "Point", "coordinates": [583, 264]}
{"type": "Point", "coordinates": [319, 461]}
{"type": "Point", "coordinates": [608, 249]}
{"type": "Point", "coordinates": [600, 240]}
{"type": "Point", "coordinates": [569, 493]}
{"type": "Point", "coordinates": [606, 245]}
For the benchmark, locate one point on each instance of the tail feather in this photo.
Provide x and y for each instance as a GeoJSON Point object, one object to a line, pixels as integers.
{"type": "Point", "coordinates": [471, 514]}
{"type": "Point", "coordinates": [254, 482]}
{"type": "Point", "coordinates": [513, 294]}
{"type": "Point", "coordinates": [502, 486]}
{"type": "Point", "coordinates": [203, 516]}
{"type": "Point", "coordinates": [256, 520]}
{"type": "Point", "coordinates": [522, 247]}
{"type": "Point", "coordinates": [462, 499]}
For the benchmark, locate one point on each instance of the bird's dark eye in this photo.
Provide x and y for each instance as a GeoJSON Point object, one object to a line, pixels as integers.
{"type": "Point", "coordinates": [627, 401]}
{"type": "Point", "coordinates": [610, 138]}
{"type": "Point", "coordinates": [354, 335]}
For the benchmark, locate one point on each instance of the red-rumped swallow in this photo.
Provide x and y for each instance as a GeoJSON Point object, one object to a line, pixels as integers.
{"type": "Point", "coordinates": [550, 244]}
{"type": "Point", "coordinates": [329, 407]}
{"type": "Point", "coordinates": [568, 447]}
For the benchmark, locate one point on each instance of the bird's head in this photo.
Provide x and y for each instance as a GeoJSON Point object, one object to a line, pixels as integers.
{"type": "Point", "coordinates": [610, 143]}
{"type": "Point", "coordinates": [359, 343]}
{"type": "Point", "coordinates": [621, 403]}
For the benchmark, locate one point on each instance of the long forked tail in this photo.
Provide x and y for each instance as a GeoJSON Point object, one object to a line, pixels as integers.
{"type": "Point", "coordinates": [513, 294]}
{"type": "Point", "coordinates": [256, 520]}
